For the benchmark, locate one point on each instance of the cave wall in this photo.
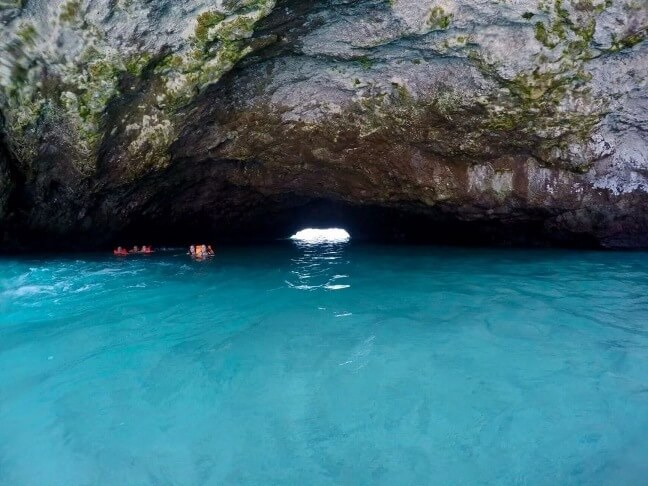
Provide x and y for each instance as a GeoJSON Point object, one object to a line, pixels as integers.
{"type": "Point", "coordinates": [235, 117]}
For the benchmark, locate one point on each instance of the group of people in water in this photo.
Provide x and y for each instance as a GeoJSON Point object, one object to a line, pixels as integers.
{"type": "Point", "coordinates": [198, 252]}
{"type": "Point", "coordinates": [143, 250]}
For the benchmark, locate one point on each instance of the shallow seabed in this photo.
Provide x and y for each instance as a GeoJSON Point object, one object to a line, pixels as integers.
{"type": "Point", "coordinates": [326, 364]}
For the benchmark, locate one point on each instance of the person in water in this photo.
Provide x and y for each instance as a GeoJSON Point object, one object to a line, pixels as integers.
{"type": "Point", "coordinates": [120, 251]}
{"type": "Point", "coordinates": [192, 251]}
{"type": "Point", "coordinates": [210, 251]}
{"type": "Point", "coordinates": [135, 249]}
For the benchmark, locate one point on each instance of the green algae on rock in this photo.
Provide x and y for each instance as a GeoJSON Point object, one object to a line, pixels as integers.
{"type": "Point", "coordinates": [80, 87]}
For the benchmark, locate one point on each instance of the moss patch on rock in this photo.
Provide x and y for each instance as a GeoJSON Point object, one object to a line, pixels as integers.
{"type": "Point", "coordinates": [438, 18]}
{"type": "Point", "coordinates": [79, 91]}
{"type": "Point", "coordinates": [551, 103]}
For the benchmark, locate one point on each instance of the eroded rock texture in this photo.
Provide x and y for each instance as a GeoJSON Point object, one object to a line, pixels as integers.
{"type": "Point", "coordinates": [522, 120]}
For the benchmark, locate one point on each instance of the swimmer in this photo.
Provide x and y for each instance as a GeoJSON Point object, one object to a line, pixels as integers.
{"type": "Point", "coordinates": [192, 251]}
{"type": "Point", "coordinates": [203, 251]}
{"type": "Point", "coordinates": [210, 251]}
{"type": "Point", "coordinates": [135, 249]}
{"type": "Point", "coordinates": [120, 251]}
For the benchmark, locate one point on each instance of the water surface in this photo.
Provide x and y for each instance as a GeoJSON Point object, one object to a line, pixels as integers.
{"type": "Point", "coordinates": [338, 364]}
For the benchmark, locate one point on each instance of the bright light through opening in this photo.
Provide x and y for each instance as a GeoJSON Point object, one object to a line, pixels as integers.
{"type": "Point", "coordinates": [329, 235]}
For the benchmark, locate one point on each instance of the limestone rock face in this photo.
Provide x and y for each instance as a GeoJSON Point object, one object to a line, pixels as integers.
{"type": "Point", "coordinates": [526, 120]}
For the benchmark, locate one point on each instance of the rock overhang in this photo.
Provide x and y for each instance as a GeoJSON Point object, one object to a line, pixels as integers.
{"type": "Point", "coordinates": [480, 114]}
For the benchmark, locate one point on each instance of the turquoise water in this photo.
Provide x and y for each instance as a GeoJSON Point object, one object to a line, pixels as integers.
{"type": "Point", "coordinates": [344, 364]}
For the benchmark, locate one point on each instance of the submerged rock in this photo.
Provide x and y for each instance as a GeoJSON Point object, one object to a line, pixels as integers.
{"type": "Point", "coordinates": [524, 121]}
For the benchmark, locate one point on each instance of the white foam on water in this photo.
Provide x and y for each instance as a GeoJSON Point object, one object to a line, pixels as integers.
{"type": "Point", "coordinates": [27, 290]}
{"type": "Point", "coordinates": [86, 287]}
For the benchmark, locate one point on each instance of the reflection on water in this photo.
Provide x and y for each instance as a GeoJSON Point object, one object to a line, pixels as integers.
{"type": "Point", "coordinates": [320, 265]}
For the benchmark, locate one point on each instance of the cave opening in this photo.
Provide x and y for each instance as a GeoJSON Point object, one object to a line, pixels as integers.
{"type": "Point", "coordinates": [274, 219]}
{"type": "Point", "coordinates": [322, 235]}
